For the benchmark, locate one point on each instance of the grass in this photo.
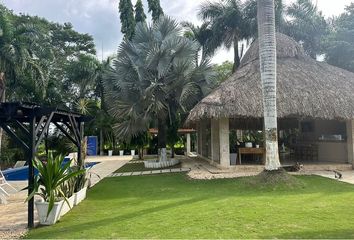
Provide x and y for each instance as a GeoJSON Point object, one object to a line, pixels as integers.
{"type": "Point", "coordinates": [172, 206]}
{"type": "Point", "coordinates": [137, 167]}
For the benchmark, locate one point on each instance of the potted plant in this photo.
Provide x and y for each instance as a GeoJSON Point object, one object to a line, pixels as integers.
{"type": "Point", "coordinates": [259, 138]}
{"type": "Point", "coordinates": [67, 189]}
{"type": "Point", "coordinates": [110, 144]}
{"type": "Point", "coordinates": [248, 139]}
{"type": "Point", "coordinates": [51, 175]}
{"type": "Point", "coordinates": [80, 187]}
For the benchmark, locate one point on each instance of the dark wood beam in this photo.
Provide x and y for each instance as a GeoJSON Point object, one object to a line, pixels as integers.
{"type": "Point", "coordinates": [46, 126]}
{"type": "Point", "coordinates": [14, 136]}
{"type": "Point", "coordinates": [66, 133]}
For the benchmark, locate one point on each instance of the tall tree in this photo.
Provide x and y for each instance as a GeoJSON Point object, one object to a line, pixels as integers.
{"type": "Point", "coordinates": [127, 19]}
{"type": "Point", "coordinates": [268, 63]}
{"type": "Point", "coordinates": [307, 25]}
{"type": "Point", "coordinates": [229, 24]}
{"type": "Point", "coordinates": [155, 9]}
{"type": "Point", "coordinates": [148, 84]}
{"type": "Point", "coordinates": [16, 55]}
{"type": "Point", "coordinates": [139, 12]}
{"type": "Point", "coordinates": [339, 50]}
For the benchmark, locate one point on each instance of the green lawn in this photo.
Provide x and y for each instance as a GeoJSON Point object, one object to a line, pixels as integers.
{"type": "Point", "coordinates": [172, 206]}
{"type": "Point", "coordinates": [137, 167]}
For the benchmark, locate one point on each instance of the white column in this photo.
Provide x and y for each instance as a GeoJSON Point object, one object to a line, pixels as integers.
{"type": "Point", "coordinates": [224, 142]}
{"type": "Point", "coordinates": [188, 143]}
{"type": "Point", "coordinates": [350, 141]}
{"type": "Point", "coordinates": [215, 146]}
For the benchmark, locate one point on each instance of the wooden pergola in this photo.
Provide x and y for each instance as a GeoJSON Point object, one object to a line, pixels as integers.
{"type": "Point", "coordinates": [28, 123]}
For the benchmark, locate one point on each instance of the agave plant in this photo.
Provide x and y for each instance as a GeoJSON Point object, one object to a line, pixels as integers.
{"type": "Point", "coordinates": [154, 75]}
{"type": "Point", "coordinates": [51, 176]}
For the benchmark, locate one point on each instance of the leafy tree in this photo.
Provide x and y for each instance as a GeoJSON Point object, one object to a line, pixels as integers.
{"type": "Point", "coordinates": [16, 57]}
{"type": "Point", "coordinates": [127, 18]}
{"type": "Point", "coordinates": [139, 12]}
{"type": "Point", "coordinates": [268, 58]}
{"type": "Point", "coordinates": [307, 25]}
{"type": "Point", "coordinates": [155, 9]}
{"type": "Point", "coordinates": [154, 76]}
{"type": "Point", "coordinates": [223, 71]}
{"type": "Point", "coordinates": [339, 49]}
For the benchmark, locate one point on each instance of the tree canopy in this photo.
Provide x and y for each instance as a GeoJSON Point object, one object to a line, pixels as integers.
{"type": "Point", "coordinates": [127, 19]}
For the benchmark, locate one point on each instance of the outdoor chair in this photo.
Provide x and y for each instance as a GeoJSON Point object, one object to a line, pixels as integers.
{"type": "Point", "coordinates": [4, 188]}
{"type": "Point", "coordinates": [19, 164]}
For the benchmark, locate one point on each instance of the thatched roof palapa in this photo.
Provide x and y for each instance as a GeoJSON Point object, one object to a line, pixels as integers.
{"type": "Point", "coordinates": [306, 88]}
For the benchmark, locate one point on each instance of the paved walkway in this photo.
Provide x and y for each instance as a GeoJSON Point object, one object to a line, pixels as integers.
{"type": "Point", "coordinates": [150, 172]}
{"type": "Point", "coordinates": [13, 216]}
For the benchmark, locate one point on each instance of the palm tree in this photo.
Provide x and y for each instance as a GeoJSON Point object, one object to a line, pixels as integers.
{"type": "Point", "coordinates": [268, 62]}
{"type": "Point", "coordinates": [307, 25]}
{"type": "Point", "coordinates": [153, 75]}
{"type": "Point", "coordinates": [202, 34]}
{"type": "Point", "coordinates": [229, 24]}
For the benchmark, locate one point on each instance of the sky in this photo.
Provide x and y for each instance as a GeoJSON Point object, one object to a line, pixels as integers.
{"type": "Point", "coordinates": [100, 18]}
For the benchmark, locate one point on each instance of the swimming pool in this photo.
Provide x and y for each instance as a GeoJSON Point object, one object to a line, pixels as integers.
{"type": "Point", "coordinates": [21, 173]}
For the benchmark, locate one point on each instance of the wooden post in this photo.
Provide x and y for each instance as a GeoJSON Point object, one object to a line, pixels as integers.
{"type": "Point", "coordinates": [350, 141]}
{"type": "Point", "coordinates": [31, 156]}
{"type": "Point", "coordinates": [224, 142]}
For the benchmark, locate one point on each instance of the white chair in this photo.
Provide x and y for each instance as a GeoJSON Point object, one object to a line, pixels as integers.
{"type": "Point", "coordinates": [4, 187]}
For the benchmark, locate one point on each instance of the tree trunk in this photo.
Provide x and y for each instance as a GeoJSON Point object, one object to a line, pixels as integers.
{"type": "Point", "coordinates": [101, 142]}
{"type": "Point", "coordinates": [141, 153]}
{"type": "Point", "coordinates": [267, 55]}
{"type": "Point", "coordinates": [172, 152]}
{"type": "Point", "coordinates": [2, 99]}
{"type": "Point", "coordinates": [236, 55]}
{"type": "Point", "coordinates": [161, 139]}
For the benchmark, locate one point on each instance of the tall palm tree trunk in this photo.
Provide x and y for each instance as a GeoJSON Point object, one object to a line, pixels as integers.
{"type": "Point", "coordinates": [2, 99]}
{"type": "Point", "coordinates": [161, 139]}
{"type": "Point", "coordinates": [236, 55]}
{"type": "Point", "coordinates": [267, 55]}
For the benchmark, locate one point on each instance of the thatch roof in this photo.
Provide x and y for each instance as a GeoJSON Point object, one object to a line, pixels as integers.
{"type": "Point", "coordinates": [305, 88]}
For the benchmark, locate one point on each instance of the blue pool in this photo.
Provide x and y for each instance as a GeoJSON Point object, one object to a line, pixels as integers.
{"type": "Point", "coordinates": [21, 173]}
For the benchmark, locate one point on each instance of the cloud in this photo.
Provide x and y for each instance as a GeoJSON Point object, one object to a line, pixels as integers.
{"type": "Point", "coordinates": [100, 18]}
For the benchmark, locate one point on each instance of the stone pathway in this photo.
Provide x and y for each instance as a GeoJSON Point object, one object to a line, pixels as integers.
{"type": "Point", "coordinates": [13, 215]}
{"type": "Point", "coordinates": [150, 172]}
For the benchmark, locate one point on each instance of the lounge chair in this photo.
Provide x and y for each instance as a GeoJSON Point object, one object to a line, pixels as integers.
{"type": "Point", "coordinates": [4, 188]}
{"type": "Point", "coordinates": [19, 164]}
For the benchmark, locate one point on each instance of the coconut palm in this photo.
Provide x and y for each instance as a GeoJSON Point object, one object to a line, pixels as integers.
{"type": "Point", "coordinates": [153, 75]}
{"type": "Point", "coordinates": [229, 24]}
{"type": "Point", "coordinates": [267, 55]}
{"type": "Point", "coordinates": [202, 34]}
{"type": "Point", "coordinates": [307, 25]}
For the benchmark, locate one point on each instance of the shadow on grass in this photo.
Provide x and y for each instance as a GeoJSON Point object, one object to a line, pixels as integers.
{"type": "Point", "coordinates": [159, 187]}
{"type": "Point", "coordinates": [334, 234]}
{"type": "Point", "coordinates": [119, 218]}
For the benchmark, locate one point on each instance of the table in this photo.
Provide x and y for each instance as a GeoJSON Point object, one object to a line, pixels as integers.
{"type": "Point", "coordinates": [253, 151]}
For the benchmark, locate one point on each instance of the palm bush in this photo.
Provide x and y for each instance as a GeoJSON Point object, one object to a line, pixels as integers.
{"type": "Point", "coordinates": [51, 176]}
{"type": "Point", "coordinates": [154, 75]}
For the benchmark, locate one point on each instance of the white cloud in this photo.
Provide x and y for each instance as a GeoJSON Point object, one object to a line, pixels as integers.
{"type": "Point", "coordinates": [100, 17]}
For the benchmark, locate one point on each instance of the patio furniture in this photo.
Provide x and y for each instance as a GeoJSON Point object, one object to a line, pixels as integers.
{"type": "Point", "coordinates": [4, 187]}
{"type": "Point", "coordinates": [19, 164]}
{"type": "Point", "coordinates": [253, 151]}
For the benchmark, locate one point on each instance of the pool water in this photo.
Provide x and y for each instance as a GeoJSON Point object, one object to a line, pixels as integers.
{"type": "Point", "coordinates": [21, 173]}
